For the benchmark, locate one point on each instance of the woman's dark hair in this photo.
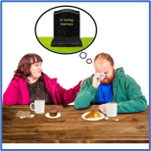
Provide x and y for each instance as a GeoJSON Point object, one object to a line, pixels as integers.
{"type": "Point", "coordinates": [23, 69]}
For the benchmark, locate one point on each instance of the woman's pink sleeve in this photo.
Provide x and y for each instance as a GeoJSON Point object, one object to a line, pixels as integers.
{"type": "Point", "coordinates": [11, 95]}
{"type": "Point", "coordinates": [68, 96]}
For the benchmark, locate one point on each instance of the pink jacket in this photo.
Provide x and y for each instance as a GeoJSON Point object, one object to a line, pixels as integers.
{"type": "Point", "coordinates": [17, 92]}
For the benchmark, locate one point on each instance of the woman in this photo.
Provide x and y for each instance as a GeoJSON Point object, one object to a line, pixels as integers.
{"type": "Point", "coordinates": [30, 83]}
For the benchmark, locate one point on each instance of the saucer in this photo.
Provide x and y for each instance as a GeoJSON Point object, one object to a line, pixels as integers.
{"type": "Point", "coordinates": [53, 117]}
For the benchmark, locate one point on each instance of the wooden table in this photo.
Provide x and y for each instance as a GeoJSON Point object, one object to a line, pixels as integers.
{"type": "Point", "coordinates": [71, 128]}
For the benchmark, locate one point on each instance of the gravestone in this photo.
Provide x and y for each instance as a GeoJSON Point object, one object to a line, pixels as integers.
{"type": "Point", "coordinates": [66, 29]}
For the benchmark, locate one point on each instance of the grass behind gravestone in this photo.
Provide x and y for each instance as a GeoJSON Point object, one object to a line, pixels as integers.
{"type": "Point", "coordinates": [46, 41]}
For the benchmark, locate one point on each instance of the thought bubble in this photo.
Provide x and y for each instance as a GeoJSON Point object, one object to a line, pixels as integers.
{"type": "Point", "coordinates": [66, 30]}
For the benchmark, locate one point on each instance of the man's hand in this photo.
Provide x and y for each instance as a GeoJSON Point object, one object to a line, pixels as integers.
{"type": "Point", "coordinates": [96, 80]}
{"type": "Point", "coordinates": [104, 109]}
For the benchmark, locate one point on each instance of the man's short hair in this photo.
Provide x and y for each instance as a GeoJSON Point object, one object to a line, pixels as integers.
{"type": "Point", "coordinates": [104, 56]}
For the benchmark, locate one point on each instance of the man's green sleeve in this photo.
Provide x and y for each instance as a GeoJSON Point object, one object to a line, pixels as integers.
{"type": "Point", "coordinates": [136, 101]}
{"type": "Point", "coordinates": [85, 95]}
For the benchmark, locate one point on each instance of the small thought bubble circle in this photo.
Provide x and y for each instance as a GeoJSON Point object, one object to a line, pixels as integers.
{"type": "Point", "coordinates": [83, 55]}
{"type": "Point", "coordinates": [89, 61]}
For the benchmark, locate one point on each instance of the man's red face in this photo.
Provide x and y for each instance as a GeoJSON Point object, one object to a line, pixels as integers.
{"type": "Point", "coordinates": [107, 68]}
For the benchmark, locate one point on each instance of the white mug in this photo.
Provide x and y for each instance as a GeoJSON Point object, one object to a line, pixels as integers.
{"type": "Point", "coordinates": [39, 106]}
{"type": "Point", "coordinates": [111, 109]}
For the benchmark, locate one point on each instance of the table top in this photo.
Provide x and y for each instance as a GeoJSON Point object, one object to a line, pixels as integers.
{"type": "Point", "coordinates": [71, 128]}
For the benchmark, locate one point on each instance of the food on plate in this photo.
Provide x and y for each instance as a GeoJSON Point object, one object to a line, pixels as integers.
{"type": "Point", "coordinates": [53, 111]}
{"type": "Point", "coordinates": [93, 114]}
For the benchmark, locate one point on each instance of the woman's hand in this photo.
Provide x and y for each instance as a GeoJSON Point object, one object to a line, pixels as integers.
{"type": "Point", "coordinates": [84, 80]}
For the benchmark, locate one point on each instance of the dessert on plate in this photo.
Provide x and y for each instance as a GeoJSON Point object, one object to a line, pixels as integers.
{"type": "Point", "coordinates": [53, 111]}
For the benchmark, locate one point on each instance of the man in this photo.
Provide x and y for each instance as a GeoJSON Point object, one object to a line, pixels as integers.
{"type": "Point", "coordinates": [115, 87]}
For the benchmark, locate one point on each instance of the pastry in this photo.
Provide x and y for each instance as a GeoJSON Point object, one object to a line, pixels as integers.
{"type": "Point", "coordinates": [93, 114]}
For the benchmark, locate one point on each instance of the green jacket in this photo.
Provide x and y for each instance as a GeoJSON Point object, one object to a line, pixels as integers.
{"type": "Point", "coordinates": [126, 92]}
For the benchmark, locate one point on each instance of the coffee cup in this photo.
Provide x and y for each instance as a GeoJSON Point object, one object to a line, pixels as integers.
{"type": "Point", "coordinates": [111, 109]}
{"type": "Point", "coordinates": [39, 106]}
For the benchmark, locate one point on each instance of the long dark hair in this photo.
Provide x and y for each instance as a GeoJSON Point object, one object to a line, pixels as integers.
{"type": "Point", "coordinates": [23, 69]}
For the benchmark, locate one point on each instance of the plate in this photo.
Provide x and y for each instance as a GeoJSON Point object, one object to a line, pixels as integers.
{"type": "Point", "coordinates": [53, 117]}
{"type": "Point", "coordinates": [92, 119]}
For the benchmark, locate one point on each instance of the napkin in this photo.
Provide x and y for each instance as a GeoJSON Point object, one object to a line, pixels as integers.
{"type": "Point", "coordinates": [23, 114]}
